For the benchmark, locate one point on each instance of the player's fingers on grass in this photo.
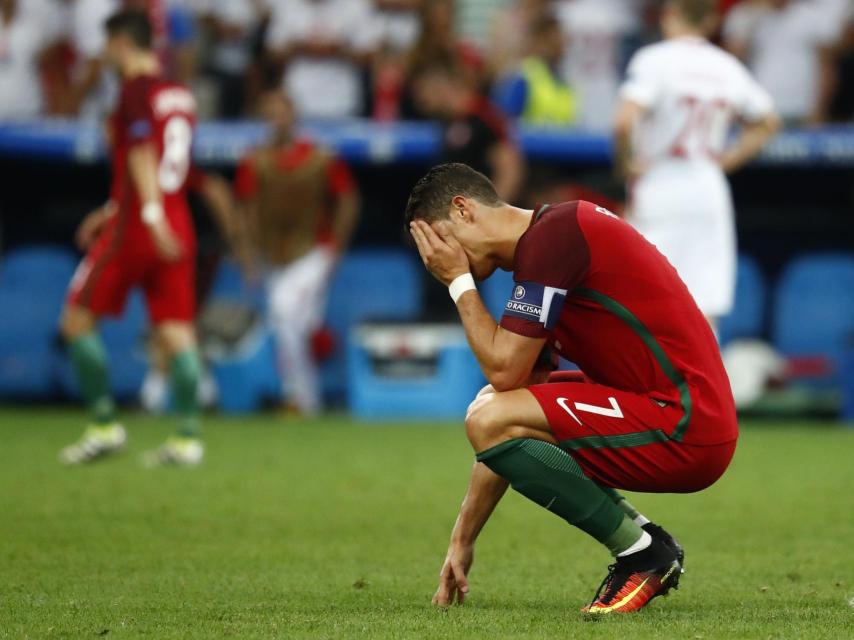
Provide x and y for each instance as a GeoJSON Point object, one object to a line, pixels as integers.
{"type": "Point", "coordinates": [460, 579]}
{"type": "Point", "coordinates": [443, 594]}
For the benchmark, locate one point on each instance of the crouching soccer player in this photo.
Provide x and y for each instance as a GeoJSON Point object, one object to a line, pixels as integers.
{"type": "Point", "coordinates": [142, 237]}
{"type": "Point", "coordinates": [651, 412]}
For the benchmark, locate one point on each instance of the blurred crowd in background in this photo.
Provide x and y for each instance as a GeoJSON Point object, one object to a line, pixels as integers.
{"type": "Point", "coordinates": [541, 61]}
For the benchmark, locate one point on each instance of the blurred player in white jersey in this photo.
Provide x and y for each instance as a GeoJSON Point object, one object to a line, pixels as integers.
{"type": "Point", "coordinates": [678, 105]}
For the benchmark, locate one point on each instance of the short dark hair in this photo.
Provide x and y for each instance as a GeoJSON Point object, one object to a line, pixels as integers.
{"type": "Point", "coordinates": [696, 12]}
{"type": "Point", "coordinates": [133, 23]}
{"type": "Point", "coordinates": [431, 196]}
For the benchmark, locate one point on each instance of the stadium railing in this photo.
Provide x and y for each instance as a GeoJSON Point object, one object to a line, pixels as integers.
{"type": "Point", "coordinates": [365, 141]}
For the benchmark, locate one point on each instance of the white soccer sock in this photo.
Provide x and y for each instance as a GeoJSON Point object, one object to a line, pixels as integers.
{"type": "Point", "coordinates": [643, 542]}
{"type": "Point", "coordinates": [641, 520]}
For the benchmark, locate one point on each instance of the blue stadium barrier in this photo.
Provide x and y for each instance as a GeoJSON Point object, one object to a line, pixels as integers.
{"type": "Point", "coordinates": [229, 284]}
{"type": "Point", "coordinates": [368, 142]}
{"type": "Point", "coordinates": [368, 284]}
{"type": "Point", "coordinates": [247, 378]}
{"type": "Point", "coordinates": [379, 284]}
{"type": "Point", "coordinates": [444, 395]}
{"type": "Point", "coordinates": [124, 339]}
{"type": "Point", "coordinates": [814, 313]}
{"type": "Point", "coordinates": [27, 341]}
{"type": "Point", "coordinates": [33, 282]}
{"type": "Point", "coordinates": [39, 266]}
{"type": "Point", "coordinates": [747, 318]}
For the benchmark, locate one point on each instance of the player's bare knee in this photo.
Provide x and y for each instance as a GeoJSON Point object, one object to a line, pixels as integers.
{"type": "Point", "coordinates": [485, 390]}
{"type": "Point", "coordinates": [76, 322]}
{"type": "Point", "coordinates": [176, 337]}
{"type": "Point", "coordinates": [484, 422]}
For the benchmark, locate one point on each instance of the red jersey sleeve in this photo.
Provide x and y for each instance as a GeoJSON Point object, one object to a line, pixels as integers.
{"type": "Point", "coordinates": [552, 258]}
{"type": "Point", "coordinates": [137, 114]}
{"type": "Point", "coordinates": [340, 178]}
{"type": "Point", "coordinates": [246, 179]}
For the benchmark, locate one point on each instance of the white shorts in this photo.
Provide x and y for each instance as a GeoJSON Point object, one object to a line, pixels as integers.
{"type": "Point", "coordinates": [687, 213]}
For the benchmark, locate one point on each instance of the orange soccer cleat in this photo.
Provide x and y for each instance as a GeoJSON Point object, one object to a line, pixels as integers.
{"type": "Point", "coordinates": [634, 580]}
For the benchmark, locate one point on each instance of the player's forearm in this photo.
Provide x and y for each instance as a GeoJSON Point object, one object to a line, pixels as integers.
{"type": "Point", "coordinates": [508, 171]}
{"type": "Point", "coordinates": [625, 121]}
{"type": "Point", "coordinates": [481, 332]}
{"type": "Point", "coordinates": [485, 491]}
{"type": "Point", "coordinates": [345, 219]}
{"type": "Point", "coordinates": [88, 79]}
{"type": "Point", "coordinates": [142, 165]}
{"type": "Point", "coordinates": [622, 151]}
{"type": "Point", "coordinates": [217, 196]}
{"type": "Point", "coordinates": [246, 230]}
{"type": "Point", "coordinates": [749, 143]}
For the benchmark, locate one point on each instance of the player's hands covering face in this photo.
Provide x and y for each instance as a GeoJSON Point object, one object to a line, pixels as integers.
{"type": "Point", "coordinates": [453, 584]}
{"type": "Point", "coordinates": [440, 251]}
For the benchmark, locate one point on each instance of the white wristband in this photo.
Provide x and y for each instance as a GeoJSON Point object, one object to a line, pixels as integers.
{"type": "Point", "coordinates": [152, 213]}
{"type": "Point", "coordinates": [460, 285]}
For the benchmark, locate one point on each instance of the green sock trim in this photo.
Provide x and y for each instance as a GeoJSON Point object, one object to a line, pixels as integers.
{"type": "Point", "coordinates": [550, 477]}
{"type": "Point", "coordinates": [498, 449]}
{"type": "Point", "coordinates": [624, 536]}
{"type": "Point", "coordinates": [620, 500]}
{"type": "Point", "coordinates": [89, 359]}
{"type": "Point", "coordinates": [185, 371]}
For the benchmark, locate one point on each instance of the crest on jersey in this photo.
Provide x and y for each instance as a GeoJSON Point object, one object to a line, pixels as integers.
{"type": "Point", "coordinates": [519, 292]}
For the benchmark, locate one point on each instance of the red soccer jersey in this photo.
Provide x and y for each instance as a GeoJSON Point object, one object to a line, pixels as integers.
{"type": "Point", "coordinates": [153, 110]}
{"type": "Point", "coordinates": [607, 300]}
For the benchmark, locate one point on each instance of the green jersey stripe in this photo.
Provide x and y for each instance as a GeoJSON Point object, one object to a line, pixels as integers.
{"type": "Point", "coordinates": [636, 439]}
{"type": "Point", "coordinates": [657, 352]}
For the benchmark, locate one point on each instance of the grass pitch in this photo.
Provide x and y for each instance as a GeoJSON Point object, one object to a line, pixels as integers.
{"type": "Point", "coordinates": [333, 529]}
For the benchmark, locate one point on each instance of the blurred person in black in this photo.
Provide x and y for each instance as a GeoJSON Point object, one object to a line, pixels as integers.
{"type": "Point", "coordinates": [842, 102]}
{"type": "Point", "coordinates": [474, 131]}
{"type": "Point", "coordinates": [233, 28]}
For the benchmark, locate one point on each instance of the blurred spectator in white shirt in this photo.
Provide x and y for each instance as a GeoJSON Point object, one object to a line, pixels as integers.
{"type": "Point", "coordinates": [596, 30]}
{"type": "Point", "coordinates": [325, 46]}
{"type": "Point", "coordinates": [28, 28]}
{"type": "Point", "coordinates": [508, 33]}
{"type": "Point", "coordinates": [788, 46]}
{"type": "Point", "coordinates": [233, 26]}
{"type": "Point", "coordinates": [397, 23]}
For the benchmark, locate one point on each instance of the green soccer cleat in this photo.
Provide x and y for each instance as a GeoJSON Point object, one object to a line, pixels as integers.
{"type": "Point", "coordinates": [177, 451]}
{"type": "Point", "coordinates": [97, 442]}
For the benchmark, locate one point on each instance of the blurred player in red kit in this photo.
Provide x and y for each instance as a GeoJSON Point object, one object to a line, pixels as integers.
{"type": "Point", "coordinates": [142, 237]}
